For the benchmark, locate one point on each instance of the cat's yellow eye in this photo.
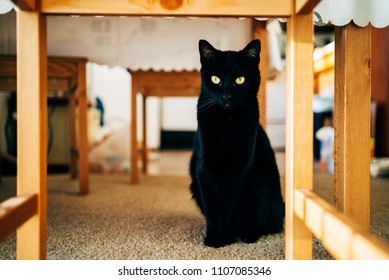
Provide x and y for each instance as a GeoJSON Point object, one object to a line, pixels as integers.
{"type": "Point", "coordinates": [239, 80]}
{"type": "Point", "coordinates": [215, 80]}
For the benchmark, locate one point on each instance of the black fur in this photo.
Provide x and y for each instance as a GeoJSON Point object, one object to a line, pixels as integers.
{"type": "Point", "coordinates": [235, 180]}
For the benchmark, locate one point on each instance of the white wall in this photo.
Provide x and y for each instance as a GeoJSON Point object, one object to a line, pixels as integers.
{"type": "Point", "coordinates": [112, 86]}
{"type": "Point", "coordinates": [276, 110]}
{"type": "Point", "coordinates": [179, 114]}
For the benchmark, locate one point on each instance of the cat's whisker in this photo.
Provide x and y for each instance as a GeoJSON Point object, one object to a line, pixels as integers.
{"type": "Point", "coordinates": [206, 106]}
{"type": "Point", "coordinates": [205, 97]}
{"type": "Point", "coordinates": [206, 100]}
{"type": "Point", "coordinates": [194, 110]}
{"type": "Point", "coordinates": [250, 109]}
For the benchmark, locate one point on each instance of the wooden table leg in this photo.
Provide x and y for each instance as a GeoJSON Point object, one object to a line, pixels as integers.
{"type": "Point", "coordinates": [299, 130]}
{"type": "Point", "coordinates": [144, 140]}
{"type": "Point", "coordinates": [134, 172]}
{"type": "Point", "coordinates": [72, 136]}
{"type": "Point", "coordinates": [83, 147]}
{"type": "Point", "coordinates": [32, 129]}
{"type": "Point", "coordinates": [352, 122]}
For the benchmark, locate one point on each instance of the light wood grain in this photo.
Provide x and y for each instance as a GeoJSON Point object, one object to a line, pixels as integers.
{"type": "Point", "coordinates": [306, 6]}
{"type": "Point", "coordinates": [352, 122]}
{"type": "Point", "coordinates": [342, 237]}
{"type": "Point", "coordinates": [57, 67]}
{"type": "Point", "coordinates": [61, 72]}
{"type": "Point", "coordinates": [299, 130]}
{"type": "Point", "coordinates": [260, 32]}
{"type": "Point", "coordinates": [16, 211]}
{"type": "Point", "coordinates": [279, 8]}
{"type": "Point", "coordinates": [83, 150]}
{"type": "Point", "coordinates": [166, 84]}
{"type": "Point", "coordinates": [161, 79]}
{"type": "Point", "coordinates": [26, 5]}
{"type": "Point", "coordinates": [32, 129]}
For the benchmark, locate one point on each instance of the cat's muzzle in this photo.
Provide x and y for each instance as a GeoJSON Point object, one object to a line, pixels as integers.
{"type": "Point", "coordinates": [226, 101]}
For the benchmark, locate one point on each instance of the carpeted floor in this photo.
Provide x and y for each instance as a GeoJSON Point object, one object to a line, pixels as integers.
{"type": "Point", "coordinates": [155, 220]}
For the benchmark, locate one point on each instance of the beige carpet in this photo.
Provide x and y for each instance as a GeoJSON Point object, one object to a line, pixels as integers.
{"type": "Point", "coordinates": [155, 220]}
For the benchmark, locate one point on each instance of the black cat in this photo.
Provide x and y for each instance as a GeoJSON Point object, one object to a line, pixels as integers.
{"type": "Point", "coordinates": [235, 180]}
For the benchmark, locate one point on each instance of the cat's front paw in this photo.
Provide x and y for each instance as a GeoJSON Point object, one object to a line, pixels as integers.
{"type": "Point", "coordinates": [217, 241]}
{"type": "Point", "coordinates": [250, 237]}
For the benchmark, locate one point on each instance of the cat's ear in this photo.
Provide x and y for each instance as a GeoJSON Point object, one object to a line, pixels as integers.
{"type": "Point", "coordinates": [207, 51]}
{"type": "Point", "coordinates": [252, 50]}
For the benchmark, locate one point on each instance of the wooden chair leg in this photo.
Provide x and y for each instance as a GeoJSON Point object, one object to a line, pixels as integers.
{"type": "Point", "coordinates": [32, 129]}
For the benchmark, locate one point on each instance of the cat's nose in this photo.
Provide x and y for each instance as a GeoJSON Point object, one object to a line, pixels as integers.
{"type": "Point", "coordinates": [226, 97]}
{"type": "Point", "coordinates": [226, 100]}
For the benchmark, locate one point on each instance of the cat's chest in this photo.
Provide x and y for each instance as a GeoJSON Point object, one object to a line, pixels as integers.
{"type": "Point", "coordinates": [228, 146]}
{"type": "Point", "coordinates": [228, 133]}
